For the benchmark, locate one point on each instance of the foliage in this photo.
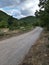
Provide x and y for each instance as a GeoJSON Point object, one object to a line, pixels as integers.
{"type": "Point", "coordinates": [10, 21]}
{"type": "Point", "coordinates": [3, 19]}
{"type": "Point", "coordinates": [7, 21]}
{"type": "Point", "coordinates": [43, 13]}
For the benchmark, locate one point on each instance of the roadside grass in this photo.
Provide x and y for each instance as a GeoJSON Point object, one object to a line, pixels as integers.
{"type": "Point", "coordinates": [26, 28]}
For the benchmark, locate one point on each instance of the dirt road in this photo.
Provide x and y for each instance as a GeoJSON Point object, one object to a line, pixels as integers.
{"type": "Point", "coordinates": [13, 50]}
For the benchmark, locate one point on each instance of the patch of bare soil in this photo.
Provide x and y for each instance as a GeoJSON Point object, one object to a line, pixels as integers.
{"type": "Point", "coordinates": [39, 53]}
{"type": "Point", "coordinates": [8, 34]}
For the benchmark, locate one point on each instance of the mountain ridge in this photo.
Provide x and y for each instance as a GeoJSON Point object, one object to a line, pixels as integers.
{"type": "Point", "coordinates": [4, 18]}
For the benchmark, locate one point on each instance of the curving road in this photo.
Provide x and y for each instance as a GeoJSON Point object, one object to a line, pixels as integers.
{"type": "Point", "coordinates": [13, 50]}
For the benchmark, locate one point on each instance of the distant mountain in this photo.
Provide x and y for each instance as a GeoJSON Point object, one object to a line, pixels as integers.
{"type": "Point", "coordinates": [28, 19]}
{"type": "Point", "coordinates": [4, 17]}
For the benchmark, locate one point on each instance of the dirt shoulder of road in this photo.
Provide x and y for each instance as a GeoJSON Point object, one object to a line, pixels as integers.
{"type": "Point", "coordinates": [14, 33]}
{"type": "Point", "coordinates": [39, 53]}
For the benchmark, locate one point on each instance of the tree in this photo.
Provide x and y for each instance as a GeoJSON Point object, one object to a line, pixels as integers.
{"type": "Point", "coordinates": [43, 13]}
{"type": "Point", "coordinates": [10, 20]}
{"type": "Point", "coordinates": [10, 23]}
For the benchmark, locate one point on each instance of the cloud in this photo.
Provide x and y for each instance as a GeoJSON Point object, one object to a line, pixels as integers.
{"type": "Point", "coordinates": [17, 13]}
{"type": "Point", "coordinates": [5, 3]}
{"type": "Point", "coordinates": [19, 8]}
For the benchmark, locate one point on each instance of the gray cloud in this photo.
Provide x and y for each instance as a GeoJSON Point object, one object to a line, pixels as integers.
{"type": "Point", "coordinates": [19, 8]}
{"type": "Point", "coordinates": [5, 3]}
{"type": "Point", "coordinates": [26, 12]}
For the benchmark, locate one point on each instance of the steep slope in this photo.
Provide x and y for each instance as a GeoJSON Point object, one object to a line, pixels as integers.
{"type": "Point", "coordinates": [4, 19]}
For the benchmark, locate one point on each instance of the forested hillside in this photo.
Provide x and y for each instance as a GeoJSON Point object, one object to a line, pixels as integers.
{"type": "Point", "coordinates": [3, 19]}
{"type": "Point", "coordinates": [7, 21]}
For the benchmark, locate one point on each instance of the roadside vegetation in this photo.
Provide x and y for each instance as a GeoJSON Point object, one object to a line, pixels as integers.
{"type": "Point", "coordinates": [10, 26]}
{"type": "Point", "coordinates": [43, 14]}
{"type": "Point", "coordinates": [7, 21]}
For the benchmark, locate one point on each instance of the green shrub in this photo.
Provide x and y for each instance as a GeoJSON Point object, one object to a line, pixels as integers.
{"type": "Point", "coordinates": [1, 33]}
{"type": "Point", "coordinates": [22, 28]}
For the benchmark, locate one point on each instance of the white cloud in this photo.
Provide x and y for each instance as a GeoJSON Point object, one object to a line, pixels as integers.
{"type": "Point", "coordinates": [19, 8]}
{"type": "Point", "coordinates": [5, 3]}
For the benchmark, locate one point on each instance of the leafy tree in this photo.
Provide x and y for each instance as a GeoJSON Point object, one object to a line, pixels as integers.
{"type": "Point", "coordinates": [43, 13]}
{"type": "Point", "coordinates": [0, 19]}
{"type": "Point", "coordinates": [10, 21]}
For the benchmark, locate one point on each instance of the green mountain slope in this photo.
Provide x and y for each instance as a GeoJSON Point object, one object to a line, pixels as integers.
{"type": "Point", "coordinates": [4, 19]}
{"type": "Point", "coordinates": [8, 21]}
{"type": "Point", "coordinates": [3, 16]}
{"type": "Point", "coordinates": [29, 19]}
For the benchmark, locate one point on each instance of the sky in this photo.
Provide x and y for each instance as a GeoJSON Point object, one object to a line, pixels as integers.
{"type": "Point", "coordinates": [19, 8]}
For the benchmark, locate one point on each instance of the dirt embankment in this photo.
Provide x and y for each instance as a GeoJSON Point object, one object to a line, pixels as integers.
{"type": "Point", "coordinates": [39, 53]}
